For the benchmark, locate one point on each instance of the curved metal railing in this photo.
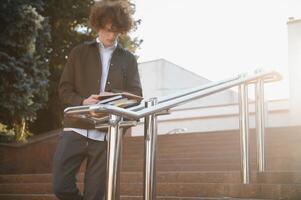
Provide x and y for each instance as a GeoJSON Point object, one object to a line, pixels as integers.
{"type": "Point", "coordinates": [149, 110]}
{"type": "Point", "coordinates": [168, 102]}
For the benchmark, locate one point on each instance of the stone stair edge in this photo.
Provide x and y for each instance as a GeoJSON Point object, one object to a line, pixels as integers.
{"type": "Point", "coordinates": [168, 172]}
{"type": "Point", "coordinates": [181, 183]}
{"type": "Point", "coordinates": [132, 196]}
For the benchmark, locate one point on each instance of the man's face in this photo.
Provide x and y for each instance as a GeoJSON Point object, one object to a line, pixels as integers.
{"type": "Point", "coordinates": [107, 36]}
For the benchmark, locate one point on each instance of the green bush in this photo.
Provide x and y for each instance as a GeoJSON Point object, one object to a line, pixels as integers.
{"type": "Point", "coordinates": [6, 135]}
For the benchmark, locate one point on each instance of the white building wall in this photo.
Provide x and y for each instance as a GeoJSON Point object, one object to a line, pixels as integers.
{"type": "Point", "coordinates": [294, 63]}
{"type": "Point", "coordinates": [160, 78]}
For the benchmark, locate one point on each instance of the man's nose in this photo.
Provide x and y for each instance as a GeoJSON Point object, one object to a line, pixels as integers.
{"type": "Point", "coordinates": [112, 34]}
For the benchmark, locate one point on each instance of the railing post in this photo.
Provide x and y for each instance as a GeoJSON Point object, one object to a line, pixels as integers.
{"type": "Point", "coordinates": [260, 124]}
{"type": "Point", "coordinates": [244, 133]}
{"type": "Point", "coordinates": [150, 137]}
{"type": "Point", "coordinates": [113, 155]}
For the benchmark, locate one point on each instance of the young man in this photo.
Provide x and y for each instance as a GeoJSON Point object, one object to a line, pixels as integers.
{"type": "Point", "coordinates": [93, 68]}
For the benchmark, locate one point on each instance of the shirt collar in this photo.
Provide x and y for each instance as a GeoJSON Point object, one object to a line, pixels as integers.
{"type": "Point", "coordinates": [108, 48]}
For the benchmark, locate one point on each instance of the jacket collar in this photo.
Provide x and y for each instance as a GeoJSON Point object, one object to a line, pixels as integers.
{"type": "Point", "coordinates": [94, 42]}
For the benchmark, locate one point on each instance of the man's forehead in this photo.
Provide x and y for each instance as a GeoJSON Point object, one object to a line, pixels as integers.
{"type": "Point", "coordinates": [110, 27]}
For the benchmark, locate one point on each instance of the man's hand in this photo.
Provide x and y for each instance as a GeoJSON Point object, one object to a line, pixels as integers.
{"type": "Point", "coordinates": [103, 94]}
{"type": "Point", "coordinates": [93, 99]}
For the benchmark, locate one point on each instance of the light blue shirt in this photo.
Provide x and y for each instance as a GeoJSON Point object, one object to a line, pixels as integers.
{"type": "Point", "coordinates": [105, 55]}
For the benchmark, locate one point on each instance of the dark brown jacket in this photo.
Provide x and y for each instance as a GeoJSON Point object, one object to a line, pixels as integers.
{"type": "Point", "coordinates": [82, 73]}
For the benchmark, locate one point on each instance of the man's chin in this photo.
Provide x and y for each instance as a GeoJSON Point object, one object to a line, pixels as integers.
{"type": "Point", "coordinates": [108, 44]}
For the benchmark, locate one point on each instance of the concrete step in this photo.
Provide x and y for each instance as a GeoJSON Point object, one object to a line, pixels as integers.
{"type": "Point", "coordinates": [208, 143]}
{"type": "Point", "coordinates": [176, 149]}
{"type": "Point", "coordinates": [269, 177]}
{"type": "Point", "coordinates": [263, 191]}
{"type": "Point", "coordinates": [272, 163]}
{"type": "Point", "coordinates": [223, 141]}
{"type": "Point", "coordinates": [214, 160]}
{"type": "Point", "coordinates": [26, 188]}
{"type": "Point", "coordinates": [173, 161]}
{"type": "Point", "coordinates": [291, 149]}
{"type": "Point", "coordinates": [26, 178]}
{"type": "Point", "coordinates": [205, 153]}
{"type": "Point", "coordinates": [276, 150]}
{"type": "Point", "coordinates": [188, 167]}
{"type": "Point", "coordinates": [205, 168]}
{"type": "Point", "coordinates": [178, 141]}
{"type": "Point", "coordinates": [220, 137]}
{"type": "Point", "coordinates": [278, 134]}
{"type": "Point", "coordinates": [275, 177]}
{"type": "Point", "coordinates": [52, 197]}
{"type": "Point", "coordinates": [208, 167]}
{"type": "Point", "coordinates": [27, 197]}
{"type": "Point", "coordinates": [186, 198]}
{"type": "Point", "coordinates": [193, 157]}
{"type": "Point", "coordinates": [184, 154]}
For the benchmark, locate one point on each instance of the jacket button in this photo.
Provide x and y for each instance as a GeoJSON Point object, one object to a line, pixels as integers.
{"type": "Point", "coordinates": [109, 82]}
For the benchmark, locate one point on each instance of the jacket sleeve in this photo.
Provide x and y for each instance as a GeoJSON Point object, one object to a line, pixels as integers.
{"type": "Point", "coordinates": [133, 79]}
{"type": "Point", "coordinates": [67, 92]}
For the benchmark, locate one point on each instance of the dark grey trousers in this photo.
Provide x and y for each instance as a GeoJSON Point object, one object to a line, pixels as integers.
{"type": "Point", "coordinates": [71, 151]}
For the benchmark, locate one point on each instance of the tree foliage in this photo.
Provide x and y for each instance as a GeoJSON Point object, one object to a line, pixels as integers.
{"type": "Point", "coordinates": [23, 63]}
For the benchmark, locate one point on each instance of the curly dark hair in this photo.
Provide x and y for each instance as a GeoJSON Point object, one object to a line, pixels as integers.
{"type": "Point", "coordinates": [118, 13]}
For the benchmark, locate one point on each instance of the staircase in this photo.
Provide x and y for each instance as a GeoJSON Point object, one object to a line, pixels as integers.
{"type": "Point", "coordinates": [192, 166]}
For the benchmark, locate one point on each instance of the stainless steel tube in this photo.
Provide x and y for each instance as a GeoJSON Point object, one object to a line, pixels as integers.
{"type": "Point", "coordinates": [137, 113]}
{"type": "Point", "coordinates": [113, 155]}
{"type": "Point", "coordinates": [150, 136]}
{"type": "Point", "coordinates": [260, 125]}
{"type": "Point", "coordinates": [244, 133]}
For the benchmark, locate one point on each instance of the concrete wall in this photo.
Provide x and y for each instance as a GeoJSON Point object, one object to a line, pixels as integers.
{"type": "Point", "coordinates": [294, 63]}
{"type": "Point", "coordinates": [161, 77]}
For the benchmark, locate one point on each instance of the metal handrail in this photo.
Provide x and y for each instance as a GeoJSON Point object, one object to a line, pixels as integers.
{"type": "Point", "coordinates": [154, 107]}
{"type": "Point", "coordinates": [88, 108]}
{"type": "Point", "coordinates": [178, 99]}
{"type": "Point", "coordinates": [74, 109]}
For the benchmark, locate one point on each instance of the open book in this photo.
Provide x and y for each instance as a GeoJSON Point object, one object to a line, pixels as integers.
{"type": "Point", "coordinates": [123, 100]}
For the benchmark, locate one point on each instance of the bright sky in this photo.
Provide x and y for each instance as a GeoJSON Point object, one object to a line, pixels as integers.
{"type": "Point", "coordinates": [218, 38]}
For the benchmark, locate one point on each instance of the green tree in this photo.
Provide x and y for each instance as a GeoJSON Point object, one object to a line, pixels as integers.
{"type": "Point", "coordinates": [69, 26]}
{"type": "Point", "coordinates": [23, 64]}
